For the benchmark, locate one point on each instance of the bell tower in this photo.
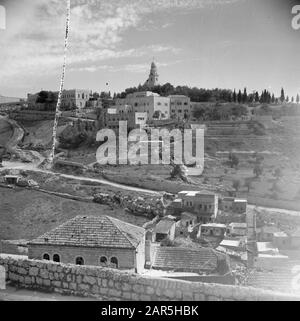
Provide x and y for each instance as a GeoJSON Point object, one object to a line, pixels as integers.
{"type": "Point", "coordinates": [152, 81]}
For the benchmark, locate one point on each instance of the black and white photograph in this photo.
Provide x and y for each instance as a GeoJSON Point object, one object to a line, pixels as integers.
{"type": "Point", "coordinates": [149, 152]}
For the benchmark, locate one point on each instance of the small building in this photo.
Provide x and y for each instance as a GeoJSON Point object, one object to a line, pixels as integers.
{"type": "Point", "coordinates": [182, 259]}
{"type": "Point", "coordinates": [239, 205]}
{"type": "Point", "coordinates": [213, 230]}
{"type": "Point", "coordinates": [281, 240]}
{"type": "Point", "coordinates": [93, 240]}
{"type": "Point", "coordinates": [233, 244]}
{"type": "Point", "coordinates": [202, 203]}
{"type": "Point", "coordinates": [186, 224]}
{"type": "Point", "coordinates": [235, 205]}
{"type": "Point", "coordinates": [165, 228]}
{"type": "Point", "coordinates": [11, 179]}
{"type": "Point", "coordinates": [270, 261]}
{"type": "Point", "coordinates": [267, 232]}
{"type": "Point", "coordinates": [237, 229]}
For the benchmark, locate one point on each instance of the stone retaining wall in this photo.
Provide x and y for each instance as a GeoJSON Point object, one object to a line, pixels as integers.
{"type": "Point", "coordinates": [116, 285]}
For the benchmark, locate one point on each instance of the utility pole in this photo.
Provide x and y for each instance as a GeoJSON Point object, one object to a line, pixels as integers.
{"type": "Point", "coordinates": [57, 111]}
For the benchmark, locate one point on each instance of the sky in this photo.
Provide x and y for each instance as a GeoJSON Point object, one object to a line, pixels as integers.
{"type": "Point", "coordinates": [203, 43]}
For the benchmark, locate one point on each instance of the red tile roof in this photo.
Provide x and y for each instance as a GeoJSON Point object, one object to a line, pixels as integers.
{"type": "Point", "coordinates": [93, 231]}
{"type": "Point", "coordinates": [185, 259]}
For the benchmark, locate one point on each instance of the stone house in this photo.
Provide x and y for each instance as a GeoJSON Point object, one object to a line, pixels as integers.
{"type": "Point", "coordinates": [201, 203]}
{"type": "Point", "coordinates": [237, 229]}
{"type": "Point", "coordinates": [186, 224]}
{"type": "Point", "coordinates": [235, 205]}
{"type": "Point", "coordinates": [165, 228]}
{"type": "Point", "coordinates": [93, 240]}
{"type": "Point", "coordinates": [213, 229]}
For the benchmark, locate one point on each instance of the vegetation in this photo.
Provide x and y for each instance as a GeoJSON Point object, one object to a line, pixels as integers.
{"type": "Point", "coordinates": [233, 160]}
{"type": "Point", "coordinates": [236, 184]}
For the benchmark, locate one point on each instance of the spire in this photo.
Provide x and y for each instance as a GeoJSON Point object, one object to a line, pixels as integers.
{"type": "Point", "coordinates": [153, 76]}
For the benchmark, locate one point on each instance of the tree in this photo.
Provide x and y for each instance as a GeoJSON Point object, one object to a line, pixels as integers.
{"type": "Point", "coordinates": [287, 99]}
{"type": "Point", "coordinates": [273, 99]}
{"type": "Point", "coordinates": [233, 159]}
{"type": "Point", "coordinates": [245, 96]}
{"type": "Point", "coordinates": [292, 100]}
{"type": "Point", "coordinates": [236, 185]}
{"type": "Point", "coordinates": [234, 96]}
{"type": "Point", "coordinates": [257, 170]}
{"type": "Point", "coordinates": [256, 97]}
{"type": "Point", "coordinates": [297, 99]}
{"type": "Point", "coordinates": [282, 96]}
{"type": "Point", "coordinates": [248, 184]}
{"type": "Point", "coordinates": [239, 97]}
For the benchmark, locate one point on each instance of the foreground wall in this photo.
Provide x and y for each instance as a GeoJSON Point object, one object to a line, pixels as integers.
{"type": "Point", "coordinates": [115, 285]}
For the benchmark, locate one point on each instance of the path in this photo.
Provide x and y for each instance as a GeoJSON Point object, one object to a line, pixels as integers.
{"type": "Point", "coordinates": [33, 167]}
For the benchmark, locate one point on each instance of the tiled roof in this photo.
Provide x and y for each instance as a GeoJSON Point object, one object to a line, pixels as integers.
{"type": "Point", "coordinates": [93, 231]}
{"type": "Point", "coordinates": [185, 259]}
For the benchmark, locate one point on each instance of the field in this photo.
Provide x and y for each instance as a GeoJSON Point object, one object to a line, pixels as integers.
{"type": "Point", "coordinates": [25, 214]}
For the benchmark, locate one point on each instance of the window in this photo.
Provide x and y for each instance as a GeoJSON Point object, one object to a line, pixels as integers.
{"type": "Point", "coordinates": [46, 256]}
{"type": "Point", "coordinates": [56, 258]}
{"type": "Point", "coordinates": [114, 261]}
{"type": "Point", "coordinates": [103, 260]}
{"type": "Point", "coordinates": [79, 261]}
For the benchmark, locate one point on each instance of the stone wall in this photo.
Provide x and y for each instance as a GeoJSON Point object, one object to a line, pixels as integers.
{"type": "Point", "coordinates": [68, 254]}
{"type": "Point", "coordinates": [31, 115]}
{"type": "Point", "coordinates": [116, 285]}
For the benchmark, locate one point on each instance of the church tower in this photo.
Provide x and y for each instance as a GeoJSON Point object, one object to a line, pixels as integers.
{"type": "Point", "coordinates": [153, 77]}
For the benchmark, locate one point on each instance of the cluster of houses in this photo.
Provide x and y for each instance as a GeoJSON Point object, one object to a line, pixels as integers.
{"type": "Point", "coordinates": [188, 239]}
{"type": "Point", "coordinates": [106, 241]}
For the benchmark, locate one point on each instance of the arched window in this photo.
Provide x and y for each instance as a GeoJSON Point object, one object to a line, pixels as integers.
{"type": "Point", "coordinates": [56, 258]}
{"type": "Point", "coordinates": [103, 260]}
{"type": "Point", "coordinates": [46, 256]}
{"type": "Point", "coordinates": [114, 262]}
{"type": "Point", "coordinates": [79, 261]}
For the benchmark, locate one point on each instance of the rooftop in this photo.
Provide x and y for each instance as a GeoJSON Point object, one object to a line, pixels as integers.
{"type": "Point", "coordinates": [238, 225]}
{"type": "Point", "coordinates": [214, 225]}
{"type": "Point", "coordinates": [93, 231]}
{"type": "Point", "coordinates": [164, 226]}
{"type": "Point", "coordinates": [196, 193]}
{"type": "Point", "coordinates": [185, 259]}
{"type": "Point", "coordinates": [266, 247]}
{"type": "Point", "coordinates": [230, 243]}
